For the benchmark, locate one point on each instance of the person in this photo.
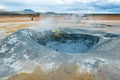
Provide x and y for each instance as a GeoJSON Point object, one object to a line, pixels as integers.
{"type": "Point", "coordinates": [32, 18]}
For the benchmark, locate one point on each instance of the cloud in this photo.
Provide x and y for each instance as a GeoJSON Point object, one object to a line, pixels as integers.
{"type": "Point", "coordinates": [34, 2]}
{"type": "Point", "coordinates": [78, 6]}
{"type": "Point", "coordinates": [2, 7]}
{"type": "Point", "coordinates": [115, 2]}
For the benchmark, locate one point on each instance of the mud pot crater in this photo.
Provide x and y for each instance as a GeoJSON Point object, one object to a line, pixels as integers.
{"type": "Point", "coordinates": [64, 42]}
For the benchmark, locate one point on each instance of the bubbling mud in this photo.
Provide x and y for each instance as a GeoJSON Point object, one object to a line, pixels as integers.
{"type": "Point", "coordinates": [65, 42]}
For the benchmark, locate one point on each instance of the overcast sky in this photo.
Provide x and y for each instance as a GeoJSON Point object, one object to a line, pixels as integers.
{"type": "Point", "coordinates": [71, 6]}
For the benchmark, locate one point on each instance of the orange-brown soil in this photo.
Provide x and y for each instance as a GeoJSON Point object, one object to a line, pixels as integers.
{"type": "Point", "coordinates": [10, 27]}
{"type": "Point", "coordinates": [105, 17]}
{"type": "Point", "coordinates": [59, 74]}
{"type": "Point", "coordinates": [18, 19]}
{"type": "Point", "coordinates": [14, 28]}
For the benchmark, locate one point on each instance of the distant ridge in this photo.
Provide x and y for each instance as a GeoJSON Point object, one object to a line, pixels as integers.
{"type": "Point", "coordinates": [18, 13]}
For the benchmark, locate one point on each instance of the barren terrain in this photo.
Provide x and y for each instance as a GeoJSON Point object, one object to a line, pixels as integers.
{"type": "Point", "coordinates": [33, 62]}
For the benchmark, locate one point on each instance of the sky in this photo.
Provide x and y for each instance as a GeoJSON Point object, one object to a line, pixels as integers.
{"type": "Point", "coordinates": [63, 6]}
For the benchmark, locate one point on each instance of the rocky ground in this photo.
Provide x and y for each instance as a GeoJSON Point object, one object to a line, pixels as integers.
{"type": "Point", "coordinates": [60, 48]}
